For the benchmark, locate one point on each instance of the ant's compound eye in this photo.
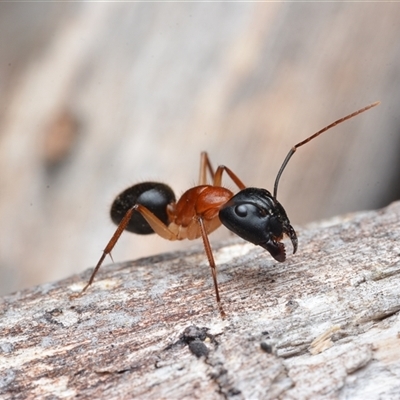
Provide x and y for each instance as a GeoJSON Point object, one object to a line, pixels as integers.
{"type": "Point", "coordinates": [250, 211]}
{"type": "Point", "coordinates": [241, 210]}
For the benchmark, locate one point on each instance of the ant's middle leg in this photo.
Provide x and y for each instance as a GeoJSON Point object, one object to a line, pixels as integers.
{"type": "Point", "coordinates": [207, 248]}
{"type": "Point", "coordinates": [218, 177]}
{"type": "Point", "coordinates": [205, 164]}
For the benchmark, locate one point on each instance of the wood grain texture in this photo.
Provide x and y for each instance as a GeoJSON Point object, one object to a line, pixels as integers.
{"type": "Point", "coordinates": [323, 325]}
{"type": "Point", "coordinates": [98, 96]}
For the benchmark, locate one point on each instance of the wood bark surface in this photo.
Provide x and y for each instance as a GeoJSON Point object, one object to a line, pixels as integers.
{"type": "Point", "coordinates": [323, 324]}
{"type": "Point", "coordinates": [97, 96]}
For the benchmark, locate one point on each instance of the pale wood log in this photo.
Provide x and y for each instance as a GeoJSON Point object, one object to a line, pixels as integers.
{"type": "Point", "coordinates": [97, 96]}
{"type": "Point", "coordinates": [323, 324]}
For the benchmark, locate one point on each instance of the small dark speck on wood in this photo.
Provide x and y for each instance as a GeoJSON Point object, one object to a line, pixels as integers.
{"type": "Point", "coordinates": [325, 323]}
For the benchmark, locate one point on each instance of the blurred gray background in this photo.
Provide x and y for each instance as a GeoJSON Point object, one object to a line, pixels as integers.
{"type": "Point", "coordinates": [97, 97]}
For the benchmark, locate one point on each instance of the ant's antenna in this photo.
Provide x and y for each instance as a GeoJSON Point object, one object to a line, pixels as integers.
{"type": "Point", "coordinates": [295, 147]}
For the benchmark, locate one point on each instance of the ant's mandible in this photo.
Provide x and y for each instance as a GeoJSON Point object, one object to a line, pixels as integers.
{"type": "Point", "coordinates": [253, 214]}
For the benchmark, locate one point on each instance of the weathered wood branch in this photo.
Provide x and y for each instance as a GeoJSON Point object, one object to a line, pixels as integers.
{"type": "Point", "coordinates": [97, 97]}
{"type": "Point", "coordinates": [323, 324]}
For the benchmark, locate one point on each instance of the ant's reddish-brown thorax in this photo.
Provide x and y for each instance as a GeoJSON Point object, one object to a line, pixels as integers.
{"type": "Point", "coordinates": [202, 201]}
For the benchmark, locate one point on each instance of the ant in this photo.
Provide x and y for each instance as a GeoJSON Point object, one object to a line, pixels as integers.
{"type": "Point", "coordinates": [253, 214]}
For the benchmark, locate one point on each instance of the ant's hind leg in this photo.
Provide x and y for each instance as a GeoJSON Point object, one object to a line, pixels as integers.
{"type": "Point", "coordinates": [158, 226]}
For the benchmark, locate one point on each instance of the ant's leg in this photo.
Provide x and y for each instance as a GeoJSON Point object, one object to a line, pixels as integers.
{"type": "Point", "coordinates": [159, 227]}
{"type": "Point", "coordinates": [205, 165]}
{"type": "Point", "coordinates": [207, 248]}
{"type": "Point", "coordinates": [156, 224]}
{"type": "Point", "coordinates": [218, 177]}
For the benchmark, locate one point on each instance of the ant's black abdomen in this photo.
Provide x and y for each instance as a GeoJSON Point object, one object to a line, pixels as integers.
{"type": "Point", "coordinates": [152, 195]}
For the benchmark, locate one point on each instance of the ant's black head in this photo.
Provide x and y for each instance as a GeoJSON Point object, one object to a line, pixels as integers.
{"type": "Point", "coordinates": [254, 215]}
